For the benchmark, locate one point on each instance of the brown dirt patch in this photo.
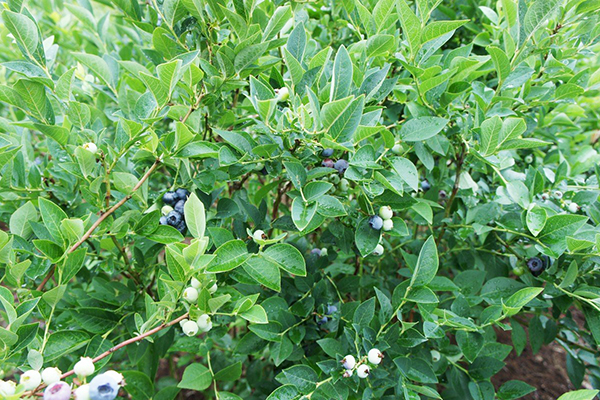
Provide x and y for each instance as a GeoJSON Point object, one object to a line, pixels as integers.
{"type": "Point", "coordinates": [545, 370]}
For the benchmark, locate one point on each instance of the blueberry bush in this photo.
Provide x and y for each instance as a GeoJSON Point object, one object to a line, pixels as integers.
{"type": "Point", "coordinates": [297, 200]}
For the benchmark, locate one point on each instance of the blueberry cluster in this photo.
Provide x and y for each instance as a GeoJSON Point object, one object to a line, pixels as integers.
{"type": "Point", "coordinates": [340, 165]}
{"type": "Point", "coordinates": [173, 209]}
{"type": "Point", "coordinates": [382, 221]}
{"type": "Point", "coordinates": [323, 319]}
{"type": "Point", "coordinates": [362, 366]}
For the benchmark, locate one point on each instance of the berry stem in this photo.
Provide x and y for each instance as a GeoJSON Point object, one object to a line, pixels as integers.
{"type": "Point", "coordinates": [119, 346]}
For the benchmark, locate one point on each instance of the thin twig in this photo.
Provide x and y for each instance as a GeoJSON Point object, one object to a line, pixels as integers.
{"type": "Point", "coordinates": [101, 219]}
{"type": "Point", "coordinates": [117, 347]}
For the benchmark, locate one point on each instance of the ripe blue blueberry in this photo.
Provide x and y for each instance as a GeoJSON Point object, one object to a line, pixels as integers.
{"type": "Point", "coordinates": [181, 227]}
{"type": "Point", "coordinates": [316, 251]}
{"type": "Point", "coordinates": [331, 309]}
{"type": "Point", "coordinates": [174, 218]}
{"type": "Point", "coordinates": [103, 387]}
{"type": "Point", "coordinates": [182, 194]}
{"type": "Point", "coordinates": [341, 166]}
{"type": "Point", "coordinates": [163, 220]}
{"type": "Point", "coordinates": [536, 266]}
{"type": "Point", "coordinates": [376, 222]}
{"type": "Point", "coordinates": [425, 185]}
{"type": "Point", "coordinates": [170, 198]}
{"type": "Point", "coordinates": [327, 163]}
{"type": "Point", "coordinates": [442, 194]}
{"type": "Point", "coordinates": [327, 152]}
{"type": "Point", "coordinates": [179, 206]}
{"type": "Point", "coordinates": [322, 320]}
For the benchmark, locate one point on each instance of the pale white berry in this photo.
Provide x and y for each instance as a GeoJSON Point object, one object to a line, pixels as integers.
{"type": "Point", "coordinates": [7, 388]}
{"type": "Point", "coordinates": [347, 373]}
{"type": "Point", "coordinates": [259, 235]}
{"type": "Point", "coordinates": [183, 321]}
{"type": "Point", "coordinates": [349, 362]}
{"type": "Point", "coordinates": [375, 356]}
{"type": "Point", "coordinates": [31, 379]}
{"type": "Point", "coordinates": [397, 149]}
{"type": "Point", "coordinates": [190, 328]}
{"type": "Point", "coordinates": [82, 392]}
{"type": "Point", "coordinates": [386, 212]}
{"type": "Point", "coordinates": [84, 367]}
{"type": "Point", "coordinates": [324, 252]}
{"type": "Point", "coordinates": [116, 376]}
{"type": "Point", "coordinates": [165, 210]}
{"type": "Point", "coordinates": [204, 323]}
{"type": "Point", "coordinates": [363, 371]}
{"type": "Point", "coordinates": [51, 375]}
{"type": "Point", "coordinates": [573, 207]}
{"type": "Point", "coordinates": [283, 94]}
{"type": "Point", "coordinates": [378, 250]}
{"type": "Point", "coordinates": [196, 283]}
{"type": "Point", "coordinates": [388, 225]}
{"type": "Point", "coordinates": [91, 147]}
{"type": "Point", "coordinates": [190, 294]}
{"type": "Point", "coordinates": [213, 288]}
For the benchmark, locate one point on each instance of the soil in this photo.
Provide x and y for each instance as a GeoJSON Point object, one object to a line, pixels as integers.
{"type": "Point", "coordinates": [545, 370]}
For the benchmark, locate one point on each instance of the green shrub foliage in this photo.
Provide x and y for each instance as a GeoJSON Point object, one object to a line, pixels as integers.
{"type": "Point", "coordinates": [367, 178]}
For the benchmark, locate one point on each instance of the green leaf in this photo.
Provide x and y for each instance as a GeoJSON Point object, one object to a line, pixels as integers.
{"type": "Point", "coordinates": [139, 385]}
{"type": "Point", "coordinates": [34, 96]}
{"type": "Point", "coordinates": [470, 343]}
{"type": "Point", "coordinates": [366, 238]}
{"type": "Point", "coordinates": [228, 256]}
{"type": "Point", "coordinates": [490, 131]}
{"type": "Point", "coordinates": [195, 216]}
{"type": "Point", "coordinates": [330, 207]}
{"type": "Point", "coordinates": [407, 171]}
{"type": "Point", "coordinates": [19, 220]}
{"type": "Point", "coordinates": [435, 29]}
{"type": "Point", "coordinates": [302, 213]}
{"type": "Point", "coordinates": [427, 264]}
{"type": "Point", "coordinates": [296, 173]}
{"type": "Point", "coordinates": [195, 377]}
{"type": "Point", "coordinates": [230, 373]}
{"type": "Point", "coordinates": [280, 17]}
{"type": "Point", "coordinates": [52, 215]}
{"type": "Point", "coordinates": [501, 62]}
{"type": "Point", "coordinates": [94, 319]}
{"type": "Point", "coordinates": [285, 392]}
{"type": "Point", "coordinates": [522, 297]}
{"type": "Point", "coordinates": [296, 44]}
{"type": "Point", "coordinates": [558, 227]}
{"type": "Point", "coordinates": [411, 25]}
{"type": "Point", "coordinates": [97, 65]}
{"type": "Point", "coordinates": [422, 128]}
{"type": "Point", "coordinates": [302, 377]}
{"type": "Point", "coordinates": [264, 272]}
{"type": "Point", "coordinates": [537, 15]}
{"type": "Point", "coordinates": [341, 79]}
{"type": "Point", "coordinates": [249, 55]}
{"type": "Point", "coordinates": [64, 342]}
{"type": "Point", "coordinates": [536, 219]}
{"type": "Point", "coordinates": [365, 312]}
{"type": "Point", "coordinates": [583, 394]}
{"type": "Point", "coordinates": [287, 257]}
{"type": "Point", "coordinates": [315, 190]}
{"type": "Point", "coordinates": [256, 314]}
{"type": "Point", "coordinates": [24, 31]}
